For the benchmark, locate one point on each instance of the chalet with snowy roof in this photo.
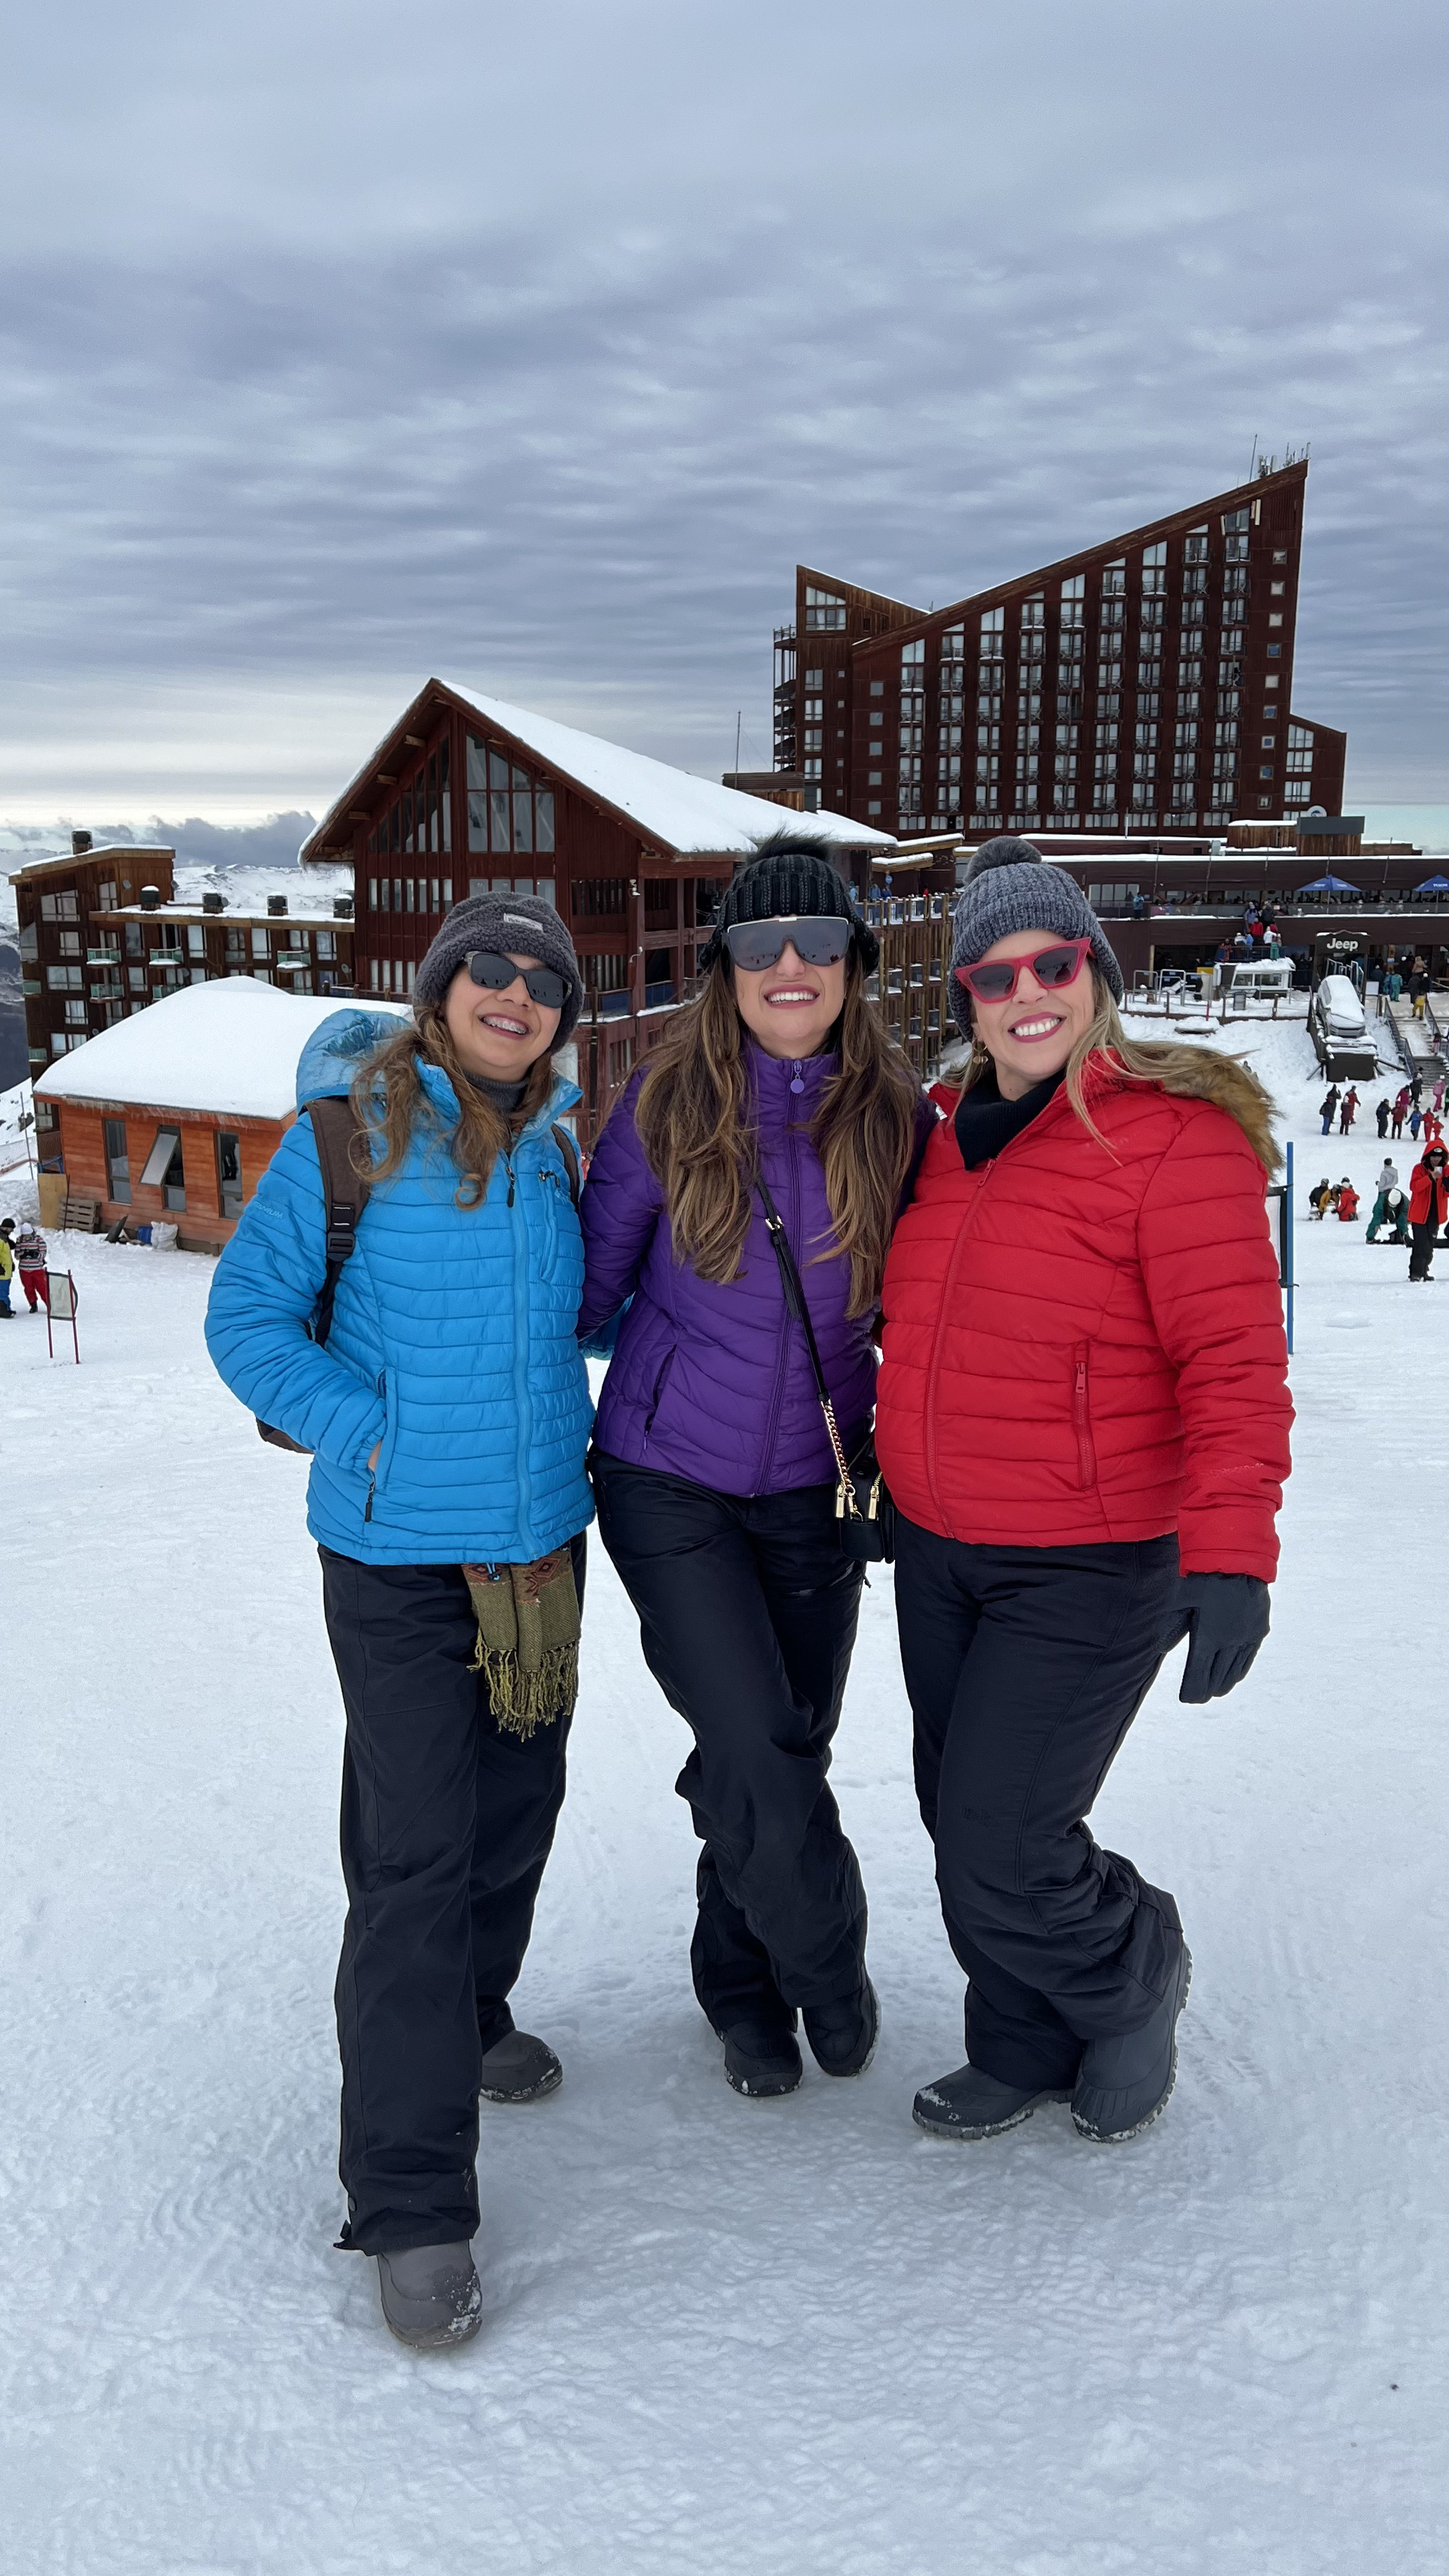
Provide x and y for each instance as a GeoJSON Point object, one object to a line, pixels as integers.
{"type": "Point", "coordinates": [176, 1112]}
{"type": "Point", "coordinates": [467, 793]}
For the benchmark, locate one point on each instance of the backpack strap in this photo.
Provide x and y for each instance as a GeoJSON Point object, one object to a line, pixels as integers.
{"type": "Point", "coordinates": [567, 1144]}
{"type": "Point", "coordinates": [345, 1193]}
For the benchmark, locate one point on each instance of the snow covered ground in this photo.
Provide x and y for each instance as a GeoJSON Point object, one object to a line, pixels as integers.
{"type": "Point", "coordinates": [723, 2338]}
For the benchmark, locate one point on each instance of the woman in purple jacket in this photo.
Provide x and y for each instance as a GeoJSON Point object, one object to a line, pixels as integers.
{"type": "Point", "coordinates": [713, 1472]}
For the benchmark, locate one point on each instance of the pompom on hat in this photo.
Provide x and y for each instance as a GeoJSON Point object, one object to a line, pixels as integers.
{"type": "Point", "coordinates": [1009, 886]}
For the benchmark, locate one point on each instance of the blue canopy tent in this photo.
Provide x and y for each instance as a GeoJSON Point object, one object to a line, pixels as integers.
{"type": "Point", "coordinates": [1433, 885]}
{"type": "Point", "coordinates": [1330, 885]}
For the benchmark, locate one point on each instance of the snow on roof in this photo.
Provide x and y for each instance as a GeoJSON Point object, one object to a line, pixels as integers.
{"type": "Point", "coordinates": [688, 815]}
{"type": "Point", "coordinates": [230, 1046]}
{"type": "Point", "coordinates": [246, 887]}
{"type": "Point", "coordinates": [194, 910]}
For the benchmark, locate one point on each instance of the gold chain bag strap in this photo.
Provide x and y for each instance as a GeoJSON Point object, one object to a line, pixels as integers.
{"type": "Point", "coordinates": [863, 1508]}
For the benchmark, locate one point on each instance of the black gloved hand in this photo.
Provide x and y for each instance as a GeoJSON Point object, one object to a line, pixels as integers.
{"type": "Point", "coordinates": [1225, 1618]}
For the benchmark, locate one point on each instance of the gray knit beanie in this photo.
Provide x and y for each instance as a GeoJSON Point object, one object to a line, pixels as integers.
{"type": "Point", "coordinates": [1010, 886]}
{"type": "Point", "coordinates": [512, 925]}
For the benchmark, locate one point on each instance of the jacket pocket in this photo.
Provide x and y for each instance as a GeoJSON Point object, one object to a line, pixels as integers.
{"type": "Point", "coordinates": [660, 1383]}
{"type": "Point", "coordinates": [1082, 1417]}
{"type": "Point", "coordinates": [552, 1195]}
{"type": "Point", "coordinates": [377, 1476]}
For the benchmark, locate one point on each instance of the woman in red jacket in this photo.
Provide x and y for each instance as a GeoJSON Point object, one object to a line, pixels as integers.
{"type": "Point", "coordinates": [1083, 1418]}
{"type": "Point", "coordinates": [1428, 1208]}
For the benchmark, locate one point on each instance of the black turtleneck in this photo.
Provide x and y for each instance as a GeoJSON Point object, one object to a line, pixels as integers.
{"type": "Point", "coordinates": [985, 1122]}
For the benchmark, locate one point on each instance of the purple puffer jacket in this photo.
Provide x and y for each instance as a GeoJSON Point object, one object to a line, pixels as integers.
{"type": "Point", "coordinates": [714, 1382]}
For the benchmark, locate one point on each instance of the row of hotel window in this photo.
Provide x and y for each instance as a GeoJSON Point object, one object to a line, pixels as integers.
{"type": "Point", "coordinates": [435, 894]}
{"type": "Point", "coordinates": [908, 731]}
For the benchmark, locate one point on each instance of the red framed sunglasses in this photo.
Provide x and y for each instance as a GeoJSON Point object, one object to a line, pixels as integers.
{"type": "Point", "coordinates": [1054, 968]}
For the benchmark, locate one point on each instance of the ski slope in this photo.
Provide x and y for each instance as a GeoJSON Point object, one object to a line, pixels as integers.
{"type": "Point", "coordinates": [723, 2338]}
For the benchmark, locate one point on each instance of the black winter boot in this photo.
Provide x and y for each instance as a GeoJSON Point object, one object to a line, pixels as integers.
{"type": "Point", "coordinates": [973, 2104]}
{"type": "Point", "coordinates": [519, 2069]}
{"type": "Point", "coordinates": [761, 2059]}
{"type": "Point", "coordinates": [1124, 2083]}
{"type": "Point", "coordinates": [431, 2295]}
{"type": "Point", "coordinates": [842, 2036]}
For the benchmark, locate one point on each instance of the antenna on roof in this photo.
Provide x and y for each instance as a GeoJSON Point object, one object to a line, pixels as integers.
{"type": "Point", "coordinates": [1253, 459]}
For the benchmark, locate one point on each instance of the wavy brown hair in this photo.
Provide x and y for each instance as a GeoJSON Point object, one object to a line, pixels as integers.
{"type": "Point", "coordinates": [393, 1106]}
{"type": "Point", "coordinates": [692, 1114]}
{"type": "Point", "coordinates": [1187, 1072]}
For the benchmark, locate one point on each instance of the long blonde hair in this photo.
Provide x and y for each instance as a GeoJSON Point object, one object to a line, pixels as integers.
{"type": "Point", "coordinates": [693, 1118]}
{"type": "Point", "coordinates": [1187, 1072]}
{"type": "Point", "coordinates": [393, 1104]}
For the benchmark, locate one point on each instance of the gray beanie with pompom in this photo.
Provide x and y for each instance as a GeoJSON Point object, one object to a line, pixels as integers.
{"type": "Point", "coordinates": [1010, 886]}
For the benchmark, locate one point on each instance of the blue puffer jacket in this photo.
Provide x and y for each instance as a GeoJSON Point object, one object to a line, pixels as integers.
{"type": "Point", "coordinates": [452, 1338]}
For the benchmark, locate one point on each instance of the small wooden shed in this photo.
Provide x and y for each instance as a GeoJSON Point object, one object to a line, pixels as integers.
{"type": "Point", "coordinates": [175, 1114]}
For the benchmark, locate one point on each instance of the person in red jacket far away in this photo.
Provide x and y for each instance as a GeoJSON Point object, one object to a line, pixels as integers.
{"type": "Point", "coordinates": [1347, 1201]}
{"type": "Point", "coordinates": [1428, 1208]}
{"type": "Point", "coordinates": [1083, 1417]}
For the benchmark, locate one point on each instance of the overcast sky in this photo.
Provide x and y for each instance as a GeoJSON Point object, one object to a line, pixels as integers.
{"type": "Point", "coordinates": [343, 344]}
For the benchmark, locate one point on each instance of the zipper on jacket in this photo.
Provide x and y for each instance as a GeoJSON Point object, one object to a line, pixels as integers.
{"type": "Point", "coordinates": [1082, 1418]}
{"type": "Point", "coordinates": [522, 1402]}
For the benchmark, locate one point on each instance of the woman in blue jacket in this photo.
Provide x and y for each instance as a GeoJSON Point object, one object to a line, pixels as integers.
{"type": "Point", "coordinates": [448, 1416]}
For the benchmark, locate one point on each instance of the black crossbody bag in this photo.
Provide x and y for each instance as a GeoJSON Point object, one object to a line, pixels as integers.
{"type": "Point", "coordinates": [863, 1509]}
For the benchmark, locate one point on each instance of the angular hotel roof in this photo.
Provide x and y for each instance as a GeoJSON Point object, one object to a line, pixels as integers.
{"type": "Point", "coordinates": [687, 815]}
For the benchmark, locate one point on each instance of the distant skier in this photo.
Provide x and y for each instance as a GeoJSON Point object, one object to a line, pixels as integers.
{"type": "Point", "coordinates": [1329, 1108]}
{"type": "Point", "coordinates": [1433, 1128]}
{"type": "Point", "coordinates": [30, 1259]}
{"type": "Point", "coordinates": [1350, 1105]}
{"type": "Point", "coordinates": [1382, 1115]}
{"type": "Point", "coordinates": [1428, 1208]}
{"type": "Point", "coordinates": [1401, 1105]}
{"type": "Point", "coordinates": [1416, 1117]}
{"type": "Point", "coordinates": [1388, 1180]}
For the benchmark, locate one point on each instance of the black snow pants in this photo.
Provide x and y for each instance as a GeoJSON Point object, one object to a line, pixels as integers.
{"type": "Point", "coordinates": [1422, 1256]}
{"type": "Point", "coordinates": [447, 1823]}
{"type": "Point", "coordinates": [747, 1612]}
{"type": "Point", "coordinates": [1025, 1667]}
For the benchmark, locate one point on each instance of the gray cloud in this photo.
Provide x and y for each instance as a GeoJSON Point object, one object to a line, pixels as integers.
{"type": "Point", "coordinates": [540, 357]}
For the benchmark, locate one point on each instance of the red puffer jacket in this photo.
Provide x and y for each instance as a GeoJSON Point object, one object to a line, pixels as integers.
{"type": "Point", "coordinates": [1080, 1348]}
{"type": "Point", "coordinates": [1427, 1196]}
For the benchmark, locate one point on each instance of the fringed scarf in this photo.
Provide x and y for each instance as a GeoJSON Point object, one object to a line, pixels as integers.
{"type": "Point", "coordinates": [528, 1639]}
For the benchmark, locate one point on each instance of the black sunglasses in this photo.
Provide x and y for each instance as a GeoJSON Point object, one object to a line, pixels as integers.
{"type": "Point", "coordinates": [820, 939]}
{"type": "Point", "coordinates": [541, 983]}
